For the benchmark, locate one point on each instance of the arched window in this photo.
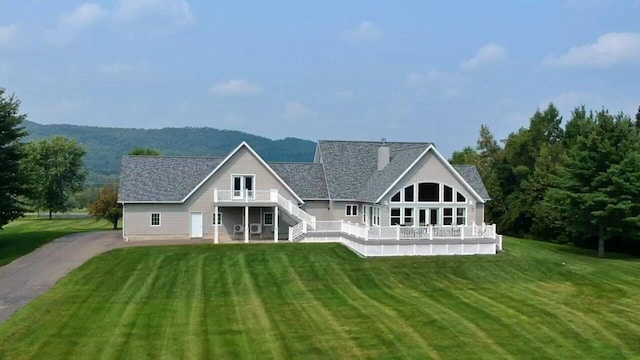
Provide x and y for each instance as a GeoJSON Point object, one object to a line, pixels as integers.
{"type": "Point", "coordinates": [429, 192]}
{"type": "Point", "coordinates": [409, 194]}
{"type": "Point", "coordinates": [448, 193]}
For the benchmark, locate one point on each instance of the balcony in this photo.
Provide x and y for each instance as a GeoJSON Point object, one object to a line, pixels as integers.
{"type": "Point", "coordinates": [246, 196]}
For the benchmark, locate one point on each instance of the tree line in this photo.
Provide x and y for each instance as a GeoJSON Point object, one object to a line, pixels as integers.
{"type": "Point", "coordinates": [577, 182]}
{"type": "Point", "coordinates": [47, 174]}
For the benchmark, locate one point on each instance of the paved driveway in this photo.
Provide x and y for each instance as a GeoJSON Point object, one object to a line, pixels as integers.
{"type": "Point", "coordinates": [31, 275]}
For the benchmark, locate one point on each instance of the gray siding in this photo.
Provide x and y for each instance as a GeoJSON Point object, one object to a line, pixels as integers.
{"type": "Point", "coordinates": [338, 211]}
{"type": "Point", "coordinates": [318, 208]}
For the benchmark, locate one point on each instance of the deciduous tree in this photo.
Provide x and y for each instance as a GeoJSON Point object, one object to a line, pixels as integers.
{"type": "Point", "coordinates": [145, 151]}
{"type": "Point", "coordinates": [107, 207]}
{"type": "Point", "coordinates": [55, 167]}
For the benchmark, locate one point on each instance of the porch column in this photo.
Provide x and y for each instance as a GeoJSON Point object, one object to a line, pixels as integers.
{"type": "Point", "coordinates": [275, 223]}
{"type": "Point", "coordinates": [246, 224]}
{"type": "Point", "coordinates": [215, 228]}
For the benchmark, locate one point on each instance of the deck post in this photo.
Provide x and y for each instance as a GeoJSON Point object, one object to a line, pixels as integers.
{"type": "Point", "coordinates": [275, 224]}
{"type": "Point", "coordinates": [430, 232]}
{"type": "Point", "coordinates": [398, 232]}
{"type": "Point", "coordinates": [217, 226]}
{"type": "Point", "coordinates": [246, 224]}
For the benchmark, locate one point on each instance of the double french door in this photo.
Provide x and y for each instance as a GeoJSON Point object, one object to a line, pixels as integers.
{"type": "Point", "coordinates": [428, 216]}
{"type": "Point", "coordinates": [243, 186]}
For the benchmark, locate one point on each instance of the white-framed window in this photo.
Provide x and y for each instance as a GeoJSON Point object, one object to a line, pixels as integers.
{"type": "Point", "coordinates": [409, 193]}
{"type": "Point", "coordinates": [408, 216]}
{"type": "Point", "coordinates": [216, 218]}
{"type": "Point", "coordinates": [460, 198]}
{"type": "Point", "coordinates": [461, 218]}
{"type": "Point", "coordinates": [396, 198]}
{"type": "Point", "coordinates": [447, 216]}
{"type": "Point", "coordinates": [428, 192]}
{"type": "Point", "coordinates": [447, 194]}
{"type": "Point", "coordinates": [364, 214]}
{"type": "Point", "coordinates": [155, 219]}
{"type": "Point", "coordinates": [351, 210]}
{"type": "Point", "coordinates": [267, 219]}
{"type": "Point", "coordinates": [395, 216]}
{"type": "Point", "coordinates": [376, 216]}
{"type": "Point", "coordinates": [243, 186]}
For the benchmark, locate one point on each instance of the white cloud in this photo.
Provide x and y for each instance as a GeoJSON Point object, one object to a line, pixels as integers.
{"type": "Point", "coordinates": [344, 95]}
{"type": "Point", "coordinates": [447, 84]}
{"type": "Point", "coordinates": [176, 11]}
{"type": "Point", "coordinates": [609, 50]}
{"type": "Point", "coordinates": [235, 87]}
{"type": "Point", "coordinates": [294, 110]}
{"type": "Point", "coordinates": [83, 16]}
{"type": "Point", "coordinates": [122, 68]}
{"type": "Point", "coordinates": [488, 54]}
{"type": "Point", "coordinates": [366, 31]}
{"type": "Point", "coordinates": [7, 34]}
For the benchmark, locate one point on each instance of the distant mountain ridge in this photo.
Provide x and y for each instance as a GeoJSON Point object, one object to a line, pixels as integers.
{"type": "Point", "coordinates": [106, 146]}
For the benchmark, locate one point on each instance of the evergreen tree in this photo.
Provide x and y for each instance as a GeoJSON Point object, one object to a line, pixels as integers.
{"type": "Point", "coordinates": [11, 151]}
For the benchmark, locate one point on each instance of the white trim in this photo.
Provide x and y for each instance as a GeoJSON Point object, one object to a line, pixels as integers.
{"type": "Point", "coordinates": [244, 143]}
{"type": "Point", "coordinates": [447, 165]}
{"type": "Point", "coordinates": [151, 219]}
{"type": "Point", "coordinates": [243, 183]}
{"type": "Point", "coordinates": [124, 234]}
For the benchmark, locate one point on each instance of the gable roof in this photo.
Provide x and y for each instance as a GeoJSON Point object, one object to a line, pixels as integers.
{"type": "Point", "coordinates": [348, 172]}
{"type": "Point", "coordinates": [174, 178]}
{"type": "Point", "coordinates": [444, 161]}
{"type": "Point", "coordinates": [350, 164]}
{"type": "Point", "coordinates": [255, 154]}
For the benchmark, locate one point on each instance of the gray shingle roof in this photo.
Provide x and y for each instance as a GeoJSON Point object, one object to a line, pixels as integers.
{"type": "Point", "coordinates": [471, 175]}
{"type": "Point", "coordinates": [306, 179]}
{"type": "Point", "coordinates": [349, 171]}
{"type": "Point", "coordinates": [349, 164]}
{"type": "Point", "coordinates": [161, 178]}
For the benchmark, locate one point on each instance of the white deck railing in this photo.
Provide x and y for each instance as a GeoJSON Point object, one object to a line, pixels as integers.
{"type": "Point", "coordinates": [294, 210]}
{"type": "Point", "coordinates": [400, 233]}
{"type": "Point", "coordinates": [297, 231]}
{"type": "Point", "coordinates": [270, 196]}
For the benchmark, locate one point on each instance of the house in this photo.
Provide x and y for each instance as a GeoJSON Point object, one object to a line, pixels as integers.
{"type": "Point", "coordinates": [378, 198]}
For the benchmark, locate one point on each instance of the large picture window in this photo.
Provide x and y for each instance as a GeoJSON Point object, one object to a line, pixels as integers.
{"type": "Point", "coordinates": [429, 192]}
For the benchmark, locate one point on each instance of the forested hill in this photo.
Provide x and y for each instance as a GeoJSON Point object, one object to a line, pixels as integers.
{"type": "Point", "coordinates": [105, 146]}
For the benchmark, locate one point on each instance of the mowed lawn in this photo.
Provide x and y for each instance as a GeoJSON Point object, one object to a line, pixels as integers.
{"type": "Point", "coordinates": [298, 301]}
{"type": "Point", "coordinates": [22, 236]}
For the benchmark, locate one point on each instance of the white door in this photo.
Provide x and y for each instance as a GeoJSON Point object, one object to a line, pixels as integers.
{"type": "Point", "coordinates": [196, 225]}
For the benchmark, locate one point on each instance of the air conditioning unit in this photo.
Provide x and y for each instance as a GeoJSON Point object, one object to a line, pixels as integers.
{"type": "Point", "coordinates": [255, 228]}
{"type": "Point", "coordinates": [238, 228]}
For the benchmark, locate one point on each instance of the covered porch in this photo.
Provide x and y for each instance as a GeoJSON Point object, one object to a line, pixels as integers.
{"type": "Point", "coordinates": [245, 223]}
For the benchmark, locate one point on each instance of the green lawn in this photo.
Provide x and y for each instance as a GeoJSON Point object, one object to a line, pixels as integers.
{"type": "Point", "coordinates": [25, 235]}
{"type": "Point", "coordinates": [295, 301]}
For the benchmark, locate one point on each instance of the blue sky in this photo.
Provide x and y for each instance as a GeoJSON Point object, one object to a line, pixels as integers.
{"type": "Point", "coordinates": [406, 71]}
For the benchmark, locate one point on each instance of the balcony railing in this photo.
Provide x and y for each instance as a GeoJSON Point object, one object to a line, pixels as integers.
{"type": "Point", "coordinates": [244, 196]}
